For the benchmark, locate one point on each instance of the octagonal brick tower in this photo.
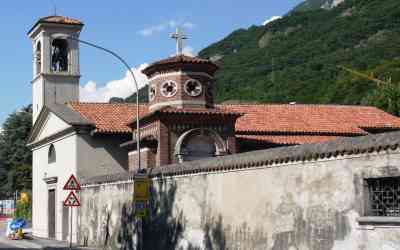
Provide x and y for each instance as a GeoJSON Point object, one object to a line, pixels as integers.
{"type": "Point", "coordinates": [181, 82]}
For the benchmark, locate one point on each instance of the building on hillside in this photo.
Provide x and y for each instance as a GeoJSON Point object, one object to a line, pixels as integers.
{"type": "Point", "coordinates": [181, 122]}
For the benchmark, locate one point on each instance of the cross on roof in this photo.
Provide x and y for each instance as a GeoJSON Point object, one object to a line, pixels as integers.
{"type": "Point", "coordinates": [179, 37]}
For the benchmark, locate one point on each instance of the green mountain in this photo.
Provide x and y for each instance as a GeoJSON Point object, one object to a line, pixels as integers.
{"type": "Point", "coordinates": [296, 58]}
{"type": "Point", "coordinates": [308, 5]}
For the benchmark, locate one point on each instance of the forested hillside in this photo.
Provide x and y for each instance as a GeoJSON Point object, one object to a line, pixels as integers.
{"type": "Point", "coordinates": [296, 58]}
{"type": "Point", "coordinates": [317, 4]}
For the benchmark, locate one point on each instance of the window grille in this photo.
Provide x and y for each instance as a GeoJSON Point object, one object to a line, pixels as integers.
{"type": "Point", "coordinates": [384, 197]}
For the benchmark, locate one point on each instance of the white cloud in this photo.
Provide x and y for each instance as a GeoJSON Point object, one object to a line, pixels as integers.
{"type": "Point", "coordinates": [271, 19]}
{"type": "Point", "coordinates": [188, 50]}
{"type": "Point", "coordinates": [149, 31]}
{"type": "Point", "coordinates": [188, 25]}
{"type": "Point", "coordinates": [117, 88]}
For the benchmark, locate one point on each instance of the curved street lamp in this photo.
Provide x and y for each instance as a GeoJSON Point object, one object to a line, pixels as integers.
{"type": "Point", "coordinates": [134, 80]}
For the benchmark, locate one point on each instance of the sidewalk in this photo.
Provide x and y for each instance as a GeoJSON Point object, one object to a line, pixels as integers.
{"type": "Point", "coordinates": [33, 242]}
{"type": "Point", "coordinates": [37, 243]}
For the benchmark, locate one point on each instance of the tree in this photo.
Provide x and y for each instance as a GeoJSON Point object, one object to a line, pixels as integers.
{"type": "Point", "coordinates": [387, 97]}
{"type": "Point", "coordinates": [15, 157]}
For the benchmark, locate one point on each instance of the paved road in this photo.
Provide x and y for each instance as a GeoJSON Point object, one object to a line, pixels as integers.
{"type": "Point", "coordinates": [6, 244]}
{"type": "Point", "coordinates": [3, 242]}
{"type": "Point", "coordinates": [4, 247]}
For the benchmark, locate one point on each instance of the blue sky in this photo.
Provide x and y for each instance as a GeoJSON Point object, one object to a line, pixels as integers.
{"type": "Point", "coordinates": [138, 30]}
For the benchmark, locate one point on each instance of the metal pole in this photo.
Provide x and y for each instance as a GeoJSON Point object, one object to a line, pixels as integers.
{"type": "Point", "coordinates": [136, 85]}
{"type": "Point", "coordinates": [70, 225]}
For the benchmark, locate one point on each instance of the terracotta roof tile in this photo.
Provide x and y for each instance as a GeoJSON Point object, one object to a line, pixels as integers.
{"type": "Point", "coordinates": [300, 118]}
{"type": "Point", "coordinates": [203, 111]}
{"type": "Point", "coordinates": [109, 117]}
{"type": "Point", "coordinates": [287, 139]}
{"type": "Point", "coordinates": [179, 59]}
{"type": "Point", "coordinates": [60, 19]}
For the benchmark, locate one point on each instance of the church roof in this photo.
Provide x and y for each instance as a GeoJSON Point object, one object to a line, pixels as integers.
{"type": "Point", "coordinates": [310, 118]}
{"type": "Point", "coordinates": [57, 20]}
{"type": "Point", "coordinates": [109, 118]}
{"type": "Point", "coordinates": [178, 60]}
{"type": "Point", "coordinates": [268, 123]}
{"type": "Point", "coordinates": [213, 112]}
{"type": "Point", "coordinates": [60, 19]}
{"type": "Point", "coordinates": [286, 139]}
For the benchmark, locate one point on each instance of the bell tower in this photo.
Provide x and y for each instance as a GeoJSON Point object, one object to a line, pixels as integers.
{"type": "Point", "coordinates": [55, 62]}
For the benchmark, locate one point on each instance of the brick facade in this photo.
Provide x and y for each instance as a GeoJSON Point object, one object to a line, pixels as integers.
{"type": "Point", "coordinates": [147, 159]}
{"type": "Point", "coordinates": [181, 99]}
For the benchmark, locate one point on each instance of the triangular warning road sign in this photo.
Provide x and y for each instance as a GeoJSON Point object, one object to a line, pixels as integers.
{"type": "Point", "coordinates": [72, 184]}
{"type": "Point", "coordinates": [72, 200]}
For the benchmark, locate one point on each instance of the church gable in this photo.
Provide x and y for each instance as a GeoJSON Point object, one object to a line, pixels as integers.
{"type": "Point", "coordinates": [51, 125]}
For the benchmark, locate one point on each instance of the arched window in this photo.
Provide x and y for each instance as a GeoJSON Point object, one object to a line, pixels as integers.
{"type": "Point", "coordinates": [59, 55]}
{"type": "Point", "coordinates": [198, 147]}
{"type": "Point", "coordinates": [38, 58]}
{"type": "Point", "coordinates": [199, 143]}
{"type": "Point", "coordinates": [52, 154]}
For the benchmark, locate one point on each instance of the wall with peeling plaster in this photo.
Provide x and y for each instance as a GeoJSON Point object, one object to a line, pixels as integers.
{"type": "Point", "coordinates": [312, 205]}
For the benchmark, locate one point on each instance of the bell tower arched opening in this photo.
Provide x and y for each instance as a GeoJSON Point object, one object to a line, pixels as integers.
{"type": "Point", "coordinates": [38, 58]}
{"type": "Point", "coordinates": [59, 55]}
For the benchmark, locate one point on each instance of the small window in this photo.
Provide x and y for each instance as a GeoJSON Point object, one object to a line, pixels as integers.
{"type": "Point", "coordinates": [52, 154]}
{"type": "Point", "coordinates": [384, 197]}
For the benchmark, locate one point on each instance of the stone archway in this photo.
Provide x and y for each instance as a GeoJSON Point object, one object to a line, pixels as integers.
{"type": "Point", "coordinates": [199, 143]}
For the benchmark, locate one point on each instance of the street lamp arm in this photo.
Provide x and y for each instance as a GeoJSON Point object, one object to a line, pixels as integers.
{"type": "Point", "coordinates": [134, 80]}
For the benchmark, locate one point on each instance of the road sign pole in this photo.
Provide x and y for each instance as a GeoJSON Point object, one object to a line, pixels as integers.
{"type": "Point", "coordinates": [71, 201]}
{"type": "Point", "coordinates": [140, 232]}
{"type": "Point", "coordinates": [70, 225]}
{"type": "Point", "coordinates": [141, 198]}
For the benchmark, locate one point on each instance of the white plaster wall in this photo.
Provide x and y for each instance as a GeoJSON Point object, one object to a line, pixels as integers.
{"type": "Point", "coordinates": [100, 155]}
{"type": "Point", "coordinates": [65, 165]}
{"type": "Point", "coordinates": [51, 126]}
{"type": "Point", "coordinates": [264, 206]}
{"type": "Point", "coordinates": [37, 99]}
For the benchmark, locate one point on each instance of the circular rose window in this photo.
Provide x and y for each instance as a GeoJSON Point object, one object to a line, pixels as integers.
{"type": "Point", "coordinates": [152, 92]}
{"type": "Point", "coordinates": [169, 88]}
{"type": "Point", "coordinates": [193, 88]}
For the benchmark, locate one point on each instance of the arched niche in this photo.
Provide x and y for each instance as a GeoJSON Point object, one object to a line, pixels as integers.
{"type": "Point", "coordinates": [52, 157]}
{"type": "Point", "coordinates": [199, 143]}
{"type": "Point", "coordinates": [59, 55]}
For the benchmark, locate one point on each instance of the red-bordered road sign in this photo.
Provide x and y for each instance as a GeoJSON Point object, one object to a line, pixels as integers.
{"type": "Point", "coordinates": [72, 200]}
{"type": "Point", "coordinates": [72, 184]}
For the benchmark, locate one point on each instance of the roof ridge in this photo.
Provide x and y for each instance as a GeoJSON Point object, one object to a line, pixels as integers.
{"type": "Point", "coordinates": [297, 104]}
{"type": "Point", "coordinates": [107, 103]}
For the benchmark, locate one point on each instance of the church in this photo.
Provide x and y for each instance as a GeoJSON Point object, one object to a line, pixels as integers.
{"type": "Point", "coordinates": [181, 123]}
